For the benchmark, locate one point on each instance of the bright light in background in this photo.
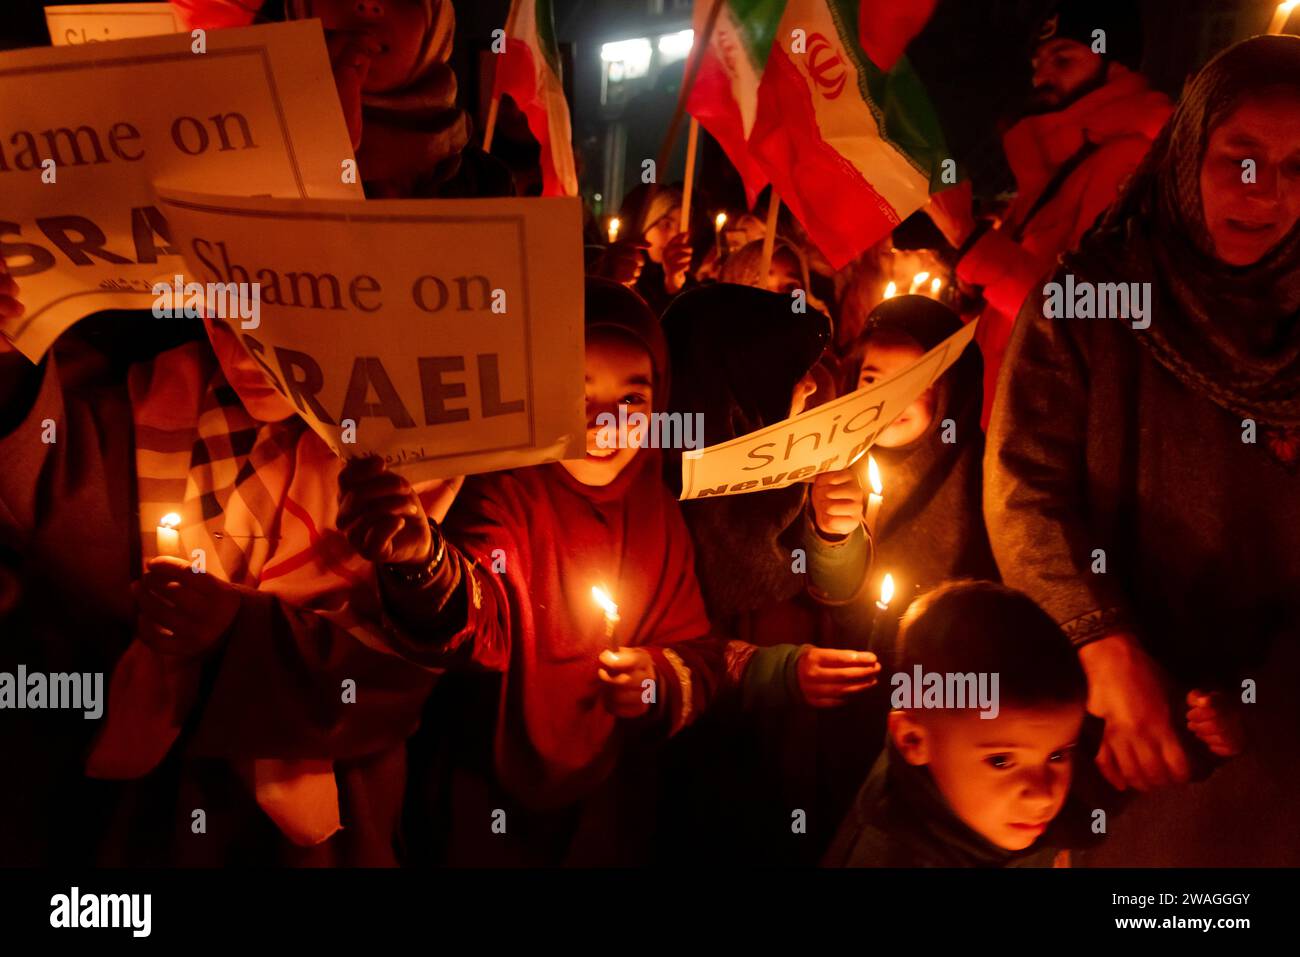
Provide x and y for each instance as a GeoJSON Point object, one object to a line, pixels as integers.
{"type": "Point", "coordinates": [627, 59]}
{"type": "Point", "coordinates": [676, 46]}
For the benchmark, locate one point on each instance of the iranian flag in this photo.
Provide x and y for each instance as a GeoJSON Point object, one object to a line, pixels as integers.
{"type": "Point", "coordinates": [724, 96]}
{"type": "Point", "coordinates": [529, 70]}
{"type": "Point", "coordinates": [852, 149]}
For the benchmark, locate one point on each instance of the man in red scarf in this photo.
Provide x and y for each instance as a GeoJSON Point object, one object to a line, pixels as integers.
{"type": "Point", "coordinates": [1094, 120]}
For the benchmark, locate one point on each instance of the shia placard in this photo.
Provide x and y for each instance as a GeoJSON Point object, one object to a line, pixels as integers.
{"type": "Point", "coordinates": [443, 335]}
{"type": "Point", "coordinates": [77, 23]}
{"type": "Point", "coordinates": [824, 439]}
{"type": "Point", "coordinates": [85, 130]}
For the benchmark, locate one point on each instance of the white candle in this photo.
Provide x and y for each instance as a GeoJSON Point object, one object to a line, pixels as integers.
{"type": "Point", "coordinates": [611, 611]}
{"type": "Point", "coordinates": [875, 498]}
{"type": "Point", "coordinates": [167, 539]}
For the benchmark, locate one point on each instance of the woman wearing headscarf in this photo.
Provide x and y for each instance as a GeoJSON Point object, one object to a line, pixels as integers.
{"type": "Point", "coordinates": [1141, 477]}
{"type": "Point", "coordinates": [745, 360]}
{"type": "Point", "coordinates": [399, 98]}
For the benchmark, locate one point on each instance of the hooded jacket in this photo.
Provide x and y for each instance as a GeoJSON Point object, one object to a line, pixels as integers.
{"type": "Point", "coordinates": [1113, 127]}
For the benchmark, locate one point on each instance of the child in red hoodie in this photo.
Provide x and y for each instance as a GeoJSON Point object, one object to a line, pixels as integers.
{"type": "Point", "coordinates": [507, 587]}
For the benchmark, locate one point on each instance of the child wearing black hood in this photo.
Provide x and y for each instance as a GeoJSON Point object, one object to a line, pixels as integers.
{"type": "Point", "coordinates": [746, 359]}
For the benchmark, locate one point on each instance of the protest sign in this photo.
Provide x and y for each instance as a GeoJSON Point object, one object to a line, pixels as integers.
{"type": "Point", "coordinates": [824, 439]}
{"type": "Point", "coordinates": [444, 335]}
{"type": "Point", "coordinates": [73, 24]}
{"type": "Point", "coordinates": [84, 130]}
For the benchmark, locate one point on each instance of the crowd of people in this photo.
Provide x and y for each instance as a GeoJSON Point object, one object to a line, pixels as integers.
{"type": "Point", "coordinates": [1103, 518]}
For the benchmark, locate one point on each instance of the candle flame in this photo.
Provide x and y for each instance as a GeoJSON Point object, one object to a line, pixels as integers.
{"type": "Point", "coordinates": [720, 220]}
{"type": "Point", "coordinates": [891, 291]}
{"type": "Point", "coordinates": [1282, 15]}
{"type": "Point", "coordinates": [887, 591]}
{"type": "Point", "coordinates": [873, 475]}
{"type": "Point", "coordinates": [918, 281]}
{"type": "Point", "coordinates": [614, 226]}
{"type": "Point", "coordinates": [170, 520]}
{"type": "Point", "coordinates": [935, 286]}
{"type": "Point", "coordinates": [605, 602]}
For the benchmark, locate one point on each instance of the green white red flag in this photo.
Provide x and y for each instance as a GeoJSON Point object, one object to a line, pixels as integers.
{"type": "Point", "coordinates": [852, 145]}
{"type": "Point", "coordinates": [529, 70]}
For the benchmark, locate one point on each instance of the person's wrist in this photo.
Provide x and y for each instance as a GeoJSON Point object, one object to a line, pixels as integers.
{"type": "Point", "coordinates": [419, 573]}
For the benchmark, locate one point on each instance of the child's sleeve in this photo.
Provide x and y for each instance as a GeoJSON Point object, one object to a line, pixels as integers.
{"type": "Point", "coordinates": [460, 618]}
{"type": "Point", "coordinates": [688, 656]}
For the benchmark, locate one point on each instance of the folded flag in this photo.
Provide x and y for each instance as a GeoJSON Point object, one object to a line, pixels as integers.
{"type": "Point", "coordinates": [529, 70]}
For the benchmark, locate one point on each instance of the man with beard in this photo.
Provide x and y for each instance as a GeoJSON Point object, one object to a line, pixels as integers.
{"type": "Point", "coordinates": [1092, 119]}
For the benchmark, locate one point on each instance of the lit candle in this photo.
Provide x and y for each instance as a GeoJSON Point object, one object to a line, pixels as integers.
{"type": "Point", "coordinates": [167, 539]}
{"type": "Point", "coordinates": [918, 281]}
{"type": "Point", "coordinates": [611, 612]}
{"type": "Point", "coordinates": [614, 225]}
{"type": "Point", "coordinates": [875, 498]}
{"type": "Point", "coordinates": [891, 290]}
{"type": "Point", "coordinates": [935, 285]}
{"type": "Point", "coordinates": [1281, 15]}
{"type": "Point", "coordinates": [881, 615]}
{"type": "Point", "coordinates": [719, 221]}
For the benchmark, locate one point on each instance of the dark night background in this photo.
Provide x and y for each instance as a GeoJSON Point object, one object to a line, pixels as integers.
{"type": "Point", "coordinates": [972, 56]}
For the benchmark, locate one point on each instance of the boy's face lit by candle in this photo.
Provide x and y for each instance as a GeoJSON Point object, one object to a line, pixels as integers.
{"type": "Point", "coordinates": [883, 359]}
{"type": "Point", "coordinates": [618, 373]}
{"type": "Point", "coordinates": [1007, 777]}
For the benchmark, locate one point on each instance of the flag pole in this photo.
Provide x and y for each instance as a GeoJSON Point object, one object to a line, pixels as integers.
{"type": "Point", "coordinates": [700, 44]}
{"type": "Point", "coordinates": [769, 237]}
{"type": "Point", "coordinates": [489, 130]}
{"type": "Point", "coordinates": [692, 144]}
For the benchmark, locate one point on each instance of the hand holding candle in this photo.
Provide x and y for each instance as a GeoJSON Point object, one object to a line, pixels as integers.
{"type": "Point", "coordinates": [829, 677]}
{"type": "Point", "coordinates": [838, 503]}
{"type": "Point", "coordinates": [624, 674]}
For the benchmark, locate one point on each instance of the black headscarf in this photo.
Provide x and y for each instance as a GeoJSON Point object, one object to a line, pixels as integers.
{"type": "Point", "coordinates": [1227, 332]}
{"type": "Point", "coordinates": [931, 523]}
{"type": "Point", "coordinates": [737, 353]}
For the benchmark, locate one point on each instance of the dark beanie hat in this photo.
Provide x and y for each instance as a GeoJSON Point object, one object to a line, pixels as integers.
{"type": "Point", "coordinates": [739, 352]}
{"type": "Point", "coordinates": [611, 305]}
{"type": "Point", "coordinates": [1121, 20]}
